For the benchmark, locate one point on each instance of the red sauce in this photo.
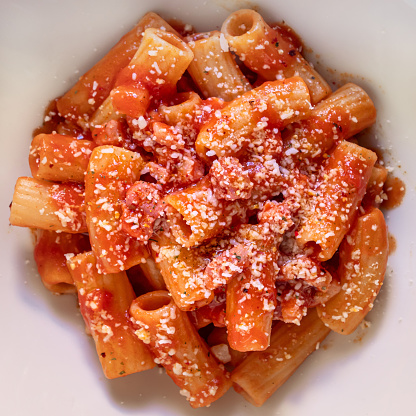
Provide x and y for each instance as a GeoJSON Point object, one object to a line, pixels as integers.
{"type": "Point", "coordinates": [395, 190]}
{"type": "Point", "coordinates": [214, 311]}
{"type": "Point", "coordinates": [102, 300]}
{"type": "Point", "coordinates": [71, 195]}
{"type": "Point", "coordinates": [288, 34]}
{"type": "Point", "coordinates": [51, 119]}
{"type": "Point", "coordinates": [143, 81]}
{"type": "Point", "coordinates": [46, 253]}
{"type": "Point", "coordinates": [392, 243]}
{"type": "Point", "coordinates": [182, 28]}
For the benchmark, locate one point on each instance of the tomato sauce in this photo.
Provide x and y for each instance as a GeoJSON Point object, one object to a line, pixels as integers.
{"type": "Point", "coordinates": [395, 190]}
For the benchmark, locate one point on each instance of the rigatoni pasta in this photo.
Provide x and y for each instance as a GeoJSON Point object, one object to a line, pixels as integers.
{"type": "Point", "coordinates": [110, 171]}
{"type": "Point", "coordinates": [212, 220]}
{"type": "Point", "coordinates": [266, 51]}
{"type": "Point", "coordinates": [49, 206]}
{"type": "Point", "coordinates": [104, 300]}
{"type": "Point", "coordinates": [213, 68]}
{"type": "Point", "coordinates": [58, 158]}
{"type": "Point", "coordinates": [164, 328]}
{"type": "Point", "coordinates": [258, 376]}
{"type": "Point", "coordinates": [81, 101]}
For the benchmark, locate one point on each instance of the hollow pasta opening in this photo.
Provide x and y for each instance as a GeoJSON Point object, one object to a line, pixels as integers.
{"type": "Point", "coordinates": [180, 228]}
{"type": "Point", "coordinates": [154, 300]}
{"type": "Point", "coordinates": [239, 24]}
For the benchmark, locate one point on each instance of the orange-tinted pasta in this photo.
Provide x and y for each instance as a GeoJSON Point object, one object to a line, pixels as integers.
{"type": "Point", "coordinates": [42, 204]}
{"type": "Point", "coordinates": [80, 102]}
{"type": "Point", "coordinates": [51, 252]}
{"type": "Point", "coordinates": [104, 301]}
{"type": "Point", "coordinates": [274, 104]}
{"type": "Point", "coordinates": [266, 51]}
{"type": "Point", "coordinates": [259, 375]}
{"type": "Point", "coordinates": [164, 328]}
{"type": "Point", "coordinates": [58, 158]}
{"type": "Point", "coordinates": [110, 170]}
{"type": "Point", "coordinates": [337, 197]}
{"type": "Point", "coordinates": [363, 260]}
{"type": "Point", "coordinates": [213, 68]}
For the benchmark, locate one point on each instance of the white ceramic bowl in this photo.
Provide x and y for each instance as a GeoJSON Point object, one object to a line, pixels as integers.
{"type": "Point", "coordinates": [48, 365]}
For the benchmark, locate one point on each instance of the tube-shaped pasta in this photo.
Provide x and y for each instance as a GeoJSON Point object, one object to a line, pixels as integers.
{"type": "Point", "coordinates": [213, 68]}
{"type": "Point", "coordinates": [81, 101]}
{"type": "Point", "coordinates": [49, 253]}
{"type": "Point", "coordinates": [196, 214]}
{"type": "Point", "coordinates": [183, 272]}
{"type": "Point", "coordinates": [343, 114]}
{"type": "Point", "coordinates": [251, 300]}
{"type": "Point", "coordinates": [265, 51]}
{"type": "Point", "coordinates": [104, 301]}
{"type": "Point", "coordinates": [177, 346]}
{"type": "Point", "coordinates": [47, 205]}
{"type": "Point", "coordinates": [111, 169]}
{"type": "Point", "coordinates": [341, 187]}
{"type": "Point", "coordinates": [152, 273]}
{"type": "Point", "coordinates": [190, 113]}
{"type": "Point", "coordinates": [58, 158]}
{"type": "Point", "coordinates": [104, 114]}
{"type": "Point", "coordinates": [155, 68]}
{"type": "Point", "coordinates": [363, 260]}
{"type": "Point", "coordinates": [161, 60]}
{"type": "Point", "coordinates": [183, 111]}
{"type": "Point", "coordinates": [273, 104]}
{"type": "Point", "coordinates": [263, 372]}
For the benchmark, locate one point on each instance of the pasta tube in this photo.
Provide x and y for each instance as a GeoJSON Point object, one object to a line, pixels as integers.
{"type": "Point", "coordinates": [273, 104]}
{"type": "Point", "coordinates": [81, 101]}
{"type": "Point", "coordinates": [265, 51]}
{"type": "Point", "coordinates": [213, 68]}
{"type": "Point", "coordinates": [55, 207]}
{"type": "Point", "coordinates": [183, 272]}
{"type": "Point", "coordinates": [342, 115]}
{"type": "Point", "coordinates": [263, 372]}
{"type": "Point", "coordinates": [251, 300]}
{"type": "Point", "coordinates": [363, 260]}
{"type": "Point", "coordinates": [177, 346]}
{"type": "Point", "coordinates": [110, 170]}
{"type": "Point", "coordinates": [340, 189]}
{"type": "Point", "coordinates": [51, 249]}
{"type": "Point", "coordinates": [58, 158]}
{"type": "Point", "coordinates": [104, 301]}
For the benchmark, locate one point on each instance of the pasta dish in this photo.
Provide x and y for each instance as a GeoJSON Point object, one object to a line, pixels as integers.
{"type": "Point", "coordinates": [206, 198]}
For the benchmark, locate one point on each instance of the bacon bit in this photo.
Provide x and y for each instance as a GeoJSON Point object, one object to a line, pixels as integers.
{"type": "Point", "coordinates": [189, 169]}
{"type": "Point", "coordinates": [227, 265]}
{"type": "Point", "coordinates": [229, 179]}
{"type": "Point", "coordinates": [277, 215]}
{"type": "Point", "coordinates": [158, 172]}
{"type": "Point", "coordinates": [293, 307]}
{"type": "Point", "coordinates": [113, 133]}
{"type": "Point", "coordinates": [308, 270]}
{"type": "Point", "coordinates": [142, 207]}
{"type": "Point", "coordinates": [213, 312]}
{"type": "Point", "coordinates": [167, 136]}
